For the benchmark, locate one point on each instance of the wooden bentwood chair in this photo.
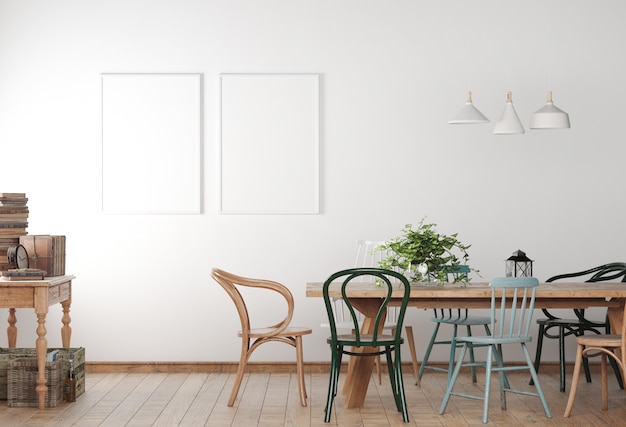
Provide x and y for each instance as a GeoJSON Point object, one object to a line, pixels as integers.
{"type": "Point", "coordinates": [606, 346]}
{"type": "Point", "coordinates": [358, 344]}
{"type": "Point", "coordinates": [579, 324]}
{"type": "Point", "coordinates": [280, 332]}
{"type": "Point", "coordinates": [513, 310]}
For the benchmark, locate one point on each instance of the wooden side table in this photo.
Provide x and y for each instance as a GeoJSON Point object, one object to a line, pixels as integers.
{"type": "Point", "coordinates": [39, 295]}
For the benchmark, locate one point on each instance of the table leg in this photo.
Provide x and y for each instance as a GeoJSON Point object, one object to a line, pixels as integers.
{"type": "Point", "coordinates": [616, 317]}
{"type": "Point", "coordinates": [12, 330]}
{"type": "Point", "coordinates": [66, 330]}
{"type": "Point", "coordinates": [359, 367]}
{"type": "Point", "coordinates": [42, 346]}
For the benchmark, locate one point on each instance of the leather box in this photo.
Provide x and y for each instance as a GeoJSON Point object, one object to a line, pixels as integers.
{"type": "Point", "coordinates": [45, 252]}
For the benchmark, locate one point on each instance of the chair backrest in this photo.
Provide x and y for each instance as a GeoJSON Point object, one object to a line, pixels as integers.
{"type": "Point", "coordinates": [388, 280]}
{"type": "Point", "coordinates": [229, 282]}
{"type": "Point", "coordinates": [512, 305]}
{"type": "Point", "coordinates": [458, 274]}
{"type": "Point", "coordinates": [369, 255]}
{"type": "Point", "coordinates": [602, 273]}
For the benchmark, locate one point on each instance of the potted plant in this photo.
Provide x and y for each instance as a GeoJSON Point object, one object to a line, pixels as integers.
{"type": "Point", "coordinates": [423, 254]}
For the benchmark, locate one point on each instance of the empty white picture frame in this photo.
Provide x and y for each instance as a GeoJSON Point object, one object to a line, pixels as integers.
{"type": "Point", "coordinates": [151, 143]}
{"type": "Point", "coordinates": [269, 152]}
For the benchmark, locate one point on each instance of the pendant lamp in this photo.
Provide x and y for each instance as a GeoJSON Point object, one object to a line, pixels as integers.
{"type": "Point", "coordinates": [549, 117]}
{"type": "Point", "coordinates": [469, 114]}
{"type": "Point", "coordinates": [509, 123]}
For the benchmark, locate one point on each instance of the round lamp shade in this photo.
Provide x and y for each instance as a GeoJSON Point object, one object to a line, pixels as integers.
{"type": "Point", "coordinates": [549, 117]}
{"type": "Point", "coordinates": [469, 114]}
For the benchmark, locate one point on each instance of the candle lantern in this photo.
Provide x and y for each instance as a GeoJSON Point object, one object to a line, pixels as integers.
{"type": "Point", "coordinates": [519, 265]}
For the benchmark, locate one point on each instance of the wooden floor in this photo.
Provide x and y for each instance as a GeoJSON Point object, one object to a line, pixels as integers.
{"type": "Point", "coordinates": [271, 399]}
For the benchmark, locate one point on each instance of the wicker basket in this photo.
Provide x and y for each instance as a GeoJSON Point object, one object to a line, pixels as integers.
{"type": "Point", "coordinates": [22, 381]}
{"type": "Point", "coordinates": [8, 354]}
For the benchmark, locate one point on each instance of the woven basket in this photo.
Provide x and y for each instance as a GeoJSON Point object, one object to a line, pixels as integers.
{"type": "Point", "coordinates": [22, 381]}
{"type": "Point", "coordinates": [8, 354]}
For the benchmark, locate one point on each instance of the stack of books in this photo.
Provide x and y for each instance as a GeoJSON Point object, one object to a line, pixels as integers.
{"type": "Point", "coordinates": [13, 222]}
{"type": "Point", "coordinates": [24, 274]}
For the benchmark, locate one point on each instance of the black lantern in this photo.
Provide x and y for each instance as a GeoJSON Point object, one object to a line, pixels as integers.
{"type": "Point", "coordinates": [519, 265]}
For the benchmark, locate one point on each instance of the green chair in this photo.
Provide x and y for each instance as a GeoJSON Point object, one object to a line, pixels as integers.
{"type": "Point", "coordinates": [578, 325]}
{"type": "Point", "coordinates": [367, 344]}
{"type": "Point", "coordinates": [456, 318]}
{"type": "Point", "coordinates": [512, 305]}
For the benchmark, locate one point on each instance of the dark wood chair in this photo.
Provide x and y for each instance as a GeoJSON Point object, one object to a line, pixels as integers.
{"type": "Point", "coordinates": [358, 344]}
{"type": "Point", "coordinates": [579, 324]}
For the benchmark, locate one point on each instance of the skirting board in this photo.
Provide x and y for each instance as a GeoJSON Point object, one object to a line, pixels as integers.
{"type": "Point", "coordinates": [231, 367]}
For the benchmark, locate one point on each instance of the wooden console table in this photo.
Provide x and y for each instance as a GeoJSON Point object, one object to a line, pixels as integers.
{"type": "Point", "coordinates": [39, 295]}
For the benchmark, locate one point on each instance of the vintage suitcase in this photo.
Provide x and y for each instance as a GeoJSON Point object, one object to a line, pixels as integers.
{"type": "Point", "coordinates": [45, 252]}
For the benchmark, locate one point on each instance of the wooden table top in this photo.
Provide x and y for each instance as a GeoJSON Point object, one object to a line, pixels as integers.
{"type": "Point", "coordinates": [46, 281]}
{"type": "Point", "coordinates": [476, 290]}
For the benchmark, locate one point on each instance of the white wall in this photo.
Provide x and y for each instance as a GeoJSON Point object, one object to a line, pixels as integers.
{"type": "Point", "coordinates": [393, 73]}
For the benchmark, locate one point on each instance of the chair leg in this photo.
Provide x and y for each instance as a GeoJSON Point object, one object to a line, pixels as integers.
{"type": "Point", "coordinates": [335, 366]}
{"type": "Point", "coordinates": [411, 342]}
{"type": "Point", "coordinates": [428, 350]}
{"type": "Point", "coordinates": [452, 381]}
{"type": "Point", "coordinates": [488, 385]}
{"type": "Point", "coordinates": [453, 353]}
{"type": "Point", "coordinates": [605, 385]}
{"type": "Point", "coordinates": [239, 377]}
{"type": "Point", "coordinates": [378, 371]}
{"type": "Point", "coordinates": [572, 391]}
{"type": "Point", "coordinates": [393, 379]}
{"type": "Point", "coordinates": [533, 374]}
{"type": "Point", "coordinates": [562, 358]}
{"type": "Point", "coordinates": [300, 370]}
{"type": "Point", "coordinates": [540, 333]}
{"type": "Point", "coordinates": [400, 386]}
{"type": "Point", "coordinates": [581, 331]}
{"type": "Point", "coordinates": [471, 352]}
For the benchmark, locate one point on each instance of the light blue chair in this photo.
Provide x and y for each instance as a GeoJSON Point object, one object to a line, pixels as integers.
{"type": "Point", "coordinates": [512, 305]}
{"type": "Point", "coordinates": [455, 318]}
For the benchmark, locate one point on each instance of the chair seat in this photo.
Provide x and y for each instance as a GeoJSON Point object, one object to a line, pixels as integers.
{"type": "Point", "coordinates": [463, 321]}
{"type": "Point", "coordinates": [564, 322]}
{"type": "Point", "coordinates": [612, 340]}
{"type": "Point", "coordinates": [494, 340]}
{"type": "Point", "coordinates": [365, 339]}
{"type": "Point", "coordinates": [291, 331]}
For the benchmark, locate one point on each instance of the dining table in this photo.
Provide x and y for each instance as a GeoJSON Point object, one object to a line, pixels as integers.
{"type": "Point", "coordinates": [367, 297]}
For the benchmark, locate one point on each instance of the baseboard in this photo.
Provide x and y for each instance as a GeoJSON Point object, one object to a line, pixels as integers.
{"type": "Point", "coordinates": [229, 367]}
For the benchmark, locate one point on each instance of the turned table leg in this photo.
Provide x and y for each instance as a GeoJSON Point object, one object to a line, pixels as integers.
{"type": "Point", "coordinates": [12, 330]}
{"type": "Point", "coordinates": [66, 330]}
{"type": "Point", "coordinates": [42, 346]}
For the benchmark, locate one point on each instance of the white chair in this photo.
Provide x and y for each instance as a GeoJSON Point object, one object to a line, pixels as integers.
{"type": "Point", "coordinates": [368, 255]}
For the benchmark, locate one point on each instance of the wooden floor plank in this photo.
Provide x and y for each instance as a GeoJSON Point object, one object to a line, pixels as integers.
{"type": "Point", "coordinates": [272, 399]}
{"type": "Point", "coordinates": [137, 388]}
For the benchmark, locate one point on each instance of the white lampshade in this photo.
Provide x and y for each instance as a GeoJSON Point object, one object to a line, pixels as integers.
{"type": "Point", "coordinates": [549, 117]}
{"type": "Point", "coordinates": [469, 114]}
{"type": "Point", "coordinates": [509, 123]}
